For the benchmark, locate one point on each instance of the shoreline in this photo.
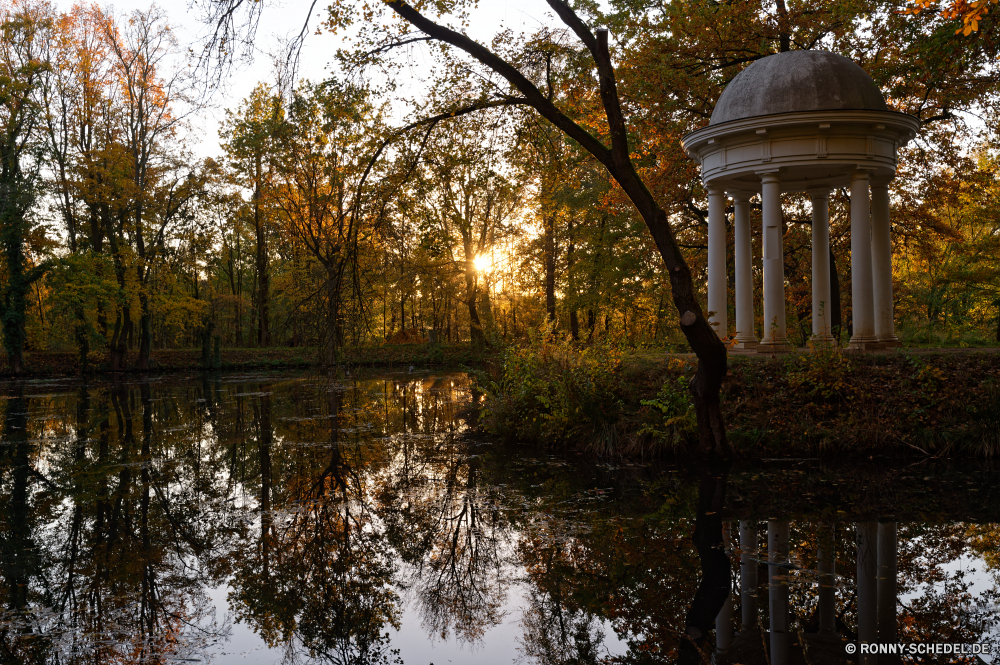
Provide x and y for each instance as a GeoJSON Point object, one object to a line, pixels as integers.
{"type": "Point", "coordinates": [913, 403]}
{"type": "Point", "coordinates": [44, 364]}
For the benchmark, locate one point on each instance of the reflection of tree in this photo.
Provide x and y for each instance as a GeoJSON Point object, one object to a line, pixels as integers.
{"type": "Point", "coordinates": [21, 562]}
{"type": "Point", "coordinates": [558, 634]}
{"type": "Point", "coordinates": [943, 606]}
{"type": "Point", "coordinates": [715, 566]}
{"type": "Point", "coordinates": [637, 571]}
{"type": "Point", "coordinates": [114, 529]}
{"type": "Point", "coordinates": [445, 523]}
{"type": "Point", "coordinates": [120, 504]}
{"type": "Point", "coordinates": [321, 577]}
{"type": "Point", "coordinates": [461, 585]}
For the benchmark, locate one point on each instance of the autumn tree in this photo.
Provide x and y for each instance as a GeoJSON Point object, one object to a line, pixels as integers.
{"type": "Point", "coordinates": [118, 171]}
{"type": "Point", "coordinates": [24, 66]}
{"type": "Point", "coordinates": [250, 137]}
{"type": "Point", "coordinates": [471, 202]}
{"type": "Point", "coordinates": [326, 196]}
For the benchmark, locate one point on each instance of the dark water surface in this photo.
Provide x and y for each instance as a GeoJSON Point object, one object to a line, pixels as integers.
{"type": "Point", "coordinates": [256, 518]}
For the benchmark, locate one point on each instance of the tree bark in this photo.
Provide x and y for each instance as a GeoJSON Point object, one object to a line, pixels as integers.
{"type": "Point", "coordinates": [574, 319]}
{"type": "Point", "coordinates": [549, 259]}
{"type": "Point", "coordinates": [836, 320]}
{"type": "Point", "coordinates": [715, 565]}
{"type": "Point", "coordinates": [476, 334]}
{"type": "Point", "coordinates": [784, 30]}
{"type": "Point", "coordinates": [145, 333]}
{"type": "Point", "coordinates": [263, 281]}
{"type": "Point", "coordinates": [334, 329]}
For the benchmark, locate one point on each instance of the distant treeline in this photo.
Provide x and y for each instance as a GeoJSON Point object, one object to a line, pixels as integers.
{"type": "Point", "coordinates": [325, 224]}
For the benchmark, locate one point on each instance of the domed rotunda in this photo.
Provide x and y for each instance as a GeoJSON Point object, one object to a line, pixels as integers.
{"type": "Point", "coordinates": [801, 121]}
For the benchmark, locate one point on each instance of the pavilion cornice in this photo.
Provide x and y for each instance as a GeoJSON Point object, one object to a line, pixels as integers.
{"type": "Point", "coordinates": [807, 149]}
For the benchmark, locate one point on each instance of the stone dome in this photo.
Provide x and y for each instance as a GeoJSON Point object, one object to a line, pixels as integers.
{"type": "Point", "coordinates": [798, 81]}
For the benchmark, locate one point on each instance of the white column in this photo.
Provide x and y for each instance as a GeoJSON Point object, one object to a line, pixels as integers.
{"type": "Point", "coordinates": [775, 338]}
{"type": "Point", "coordinates": [862, 308]}
{"type": "Point", "coordinates": [745, 336]}
{"type": "Point", "coordinates": [821, 265]}
{"type": "Point", "coordinates": [887, 631]}
{"type": "Point", "coordinates": [867, 536]}
{"type": "Point", "coordinates": [748, 575]}
{"type": "Point", "coordinates": [882, 264]}
{"type": "Point", "coordinates": [717, 287]}
{"type": "Point", "coordinates": [777, 553]}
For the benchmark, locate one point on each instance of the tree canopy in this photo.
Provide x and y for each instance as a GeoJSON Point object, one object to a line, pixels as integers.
{"type": "Point", "coordinates": [498, 195]}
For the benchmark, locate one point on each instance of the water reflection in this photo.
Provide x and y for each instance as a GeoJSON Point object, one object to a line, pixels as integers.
{"type": "Point", "coordinates": [337, 513]}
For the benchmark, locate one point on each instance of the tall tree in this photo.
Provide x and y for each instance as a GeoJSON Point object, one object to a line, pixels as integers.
{"type": "Point", "coordinates": [322, 192]}
{"type": "Point", "coordinates": [470, 202]}
{"type": "Point", "coordinates": [26, 30]}
{"type": "Point", "coordinates": [157, 185]}
{"type": "Point", "coordinates": [250, 136]}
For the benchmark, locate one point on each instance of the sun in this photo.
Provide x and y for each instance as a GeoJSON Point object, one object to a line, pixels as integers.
{"type": "Point", "coordinates": [482, 263]}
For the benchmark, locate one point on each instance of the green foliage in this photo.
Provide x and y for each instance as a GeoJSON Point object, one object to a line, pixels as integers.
{"type": "Point", "coordinates": [80, 284]}
{"type": "Point", "coordinates": [676, 419]}
{"type": "Point", "coordinates": [822, 374]}
{"type": "Point", "coordinates": [926, 375]}
{"type": "Point", "coordinates": [550, 390]}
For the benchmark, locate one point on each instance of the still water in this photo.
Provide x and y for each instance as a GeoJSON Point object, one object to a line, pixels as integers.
{"type": "Point", "coordinates": [263, 518]}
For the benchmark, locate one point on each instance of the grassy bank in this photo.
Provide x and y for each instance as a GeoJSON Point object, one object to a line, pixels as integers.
{"type": "Point", "coordinates": [51, 363]}
{"type": "Point", "coordinates": [920, 403]}
{"type": "Point", "coordinates": [926, 403]}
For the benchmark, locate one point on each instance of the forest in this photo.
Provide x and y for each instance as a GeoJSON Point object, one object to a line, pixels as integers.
{"type": "Point", "coordinates": [345, 213]}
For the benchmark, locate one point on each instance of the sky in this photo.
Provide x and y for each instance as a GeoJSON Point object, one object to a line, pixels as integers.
{"type": "Point", "coordinates": [282, 19]}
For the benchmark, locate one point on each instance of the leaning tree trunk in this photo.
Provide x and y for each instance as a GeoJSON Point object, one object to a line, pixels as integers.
{"type": "Point", "coordinates": [711, 352]}
{"type": "Point", "coordinates": [713, 591]}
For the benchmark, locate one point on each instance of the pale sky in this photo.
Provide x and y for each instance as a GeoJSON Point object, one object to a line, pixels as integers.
{"type": "Point", "coordinates": [284, 19]}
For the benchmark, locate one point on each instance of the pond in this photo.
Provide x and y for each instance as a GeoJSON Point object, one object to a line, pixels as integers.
{"type": "Point", "coordinates": [261, 518]}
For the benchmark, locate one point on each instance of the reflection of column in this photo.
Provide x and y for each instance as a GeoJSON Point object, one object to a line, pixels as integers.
{"type": "Point", "coordinates": [826, 565]}
{"type": "Point", "coordinates": [777, 553]}
{"type": "Point", "coordinates": [882, 265]}
{"type": "Point", "coordinates": [745, 336]}
{"type": "Point", "coordinates": [862, 307]}
{"type": "Point", "coordinates": [774, 267]}
{"type": "Point", "coordinates": [717, 296]}
{"type": "Point", "coordinates": [887, 587]}
{"type": "Point", "coordinates": [821, 265]}
{"type": "Point", "coordinates": [748, 574]}
{"type": "Point", "coordinates": [867, 536]}
{"type": "Point", "coordinates": [724, 620]}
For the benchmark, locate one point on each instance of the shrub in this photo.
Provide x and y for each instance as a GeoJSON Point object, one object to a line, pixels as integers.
{"type": "Point", "coordinates": [822, 374]}
{"type": "Point", "coordinates": [673, 420]}
{"type": "Point", "coordinates": [551, 390]}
